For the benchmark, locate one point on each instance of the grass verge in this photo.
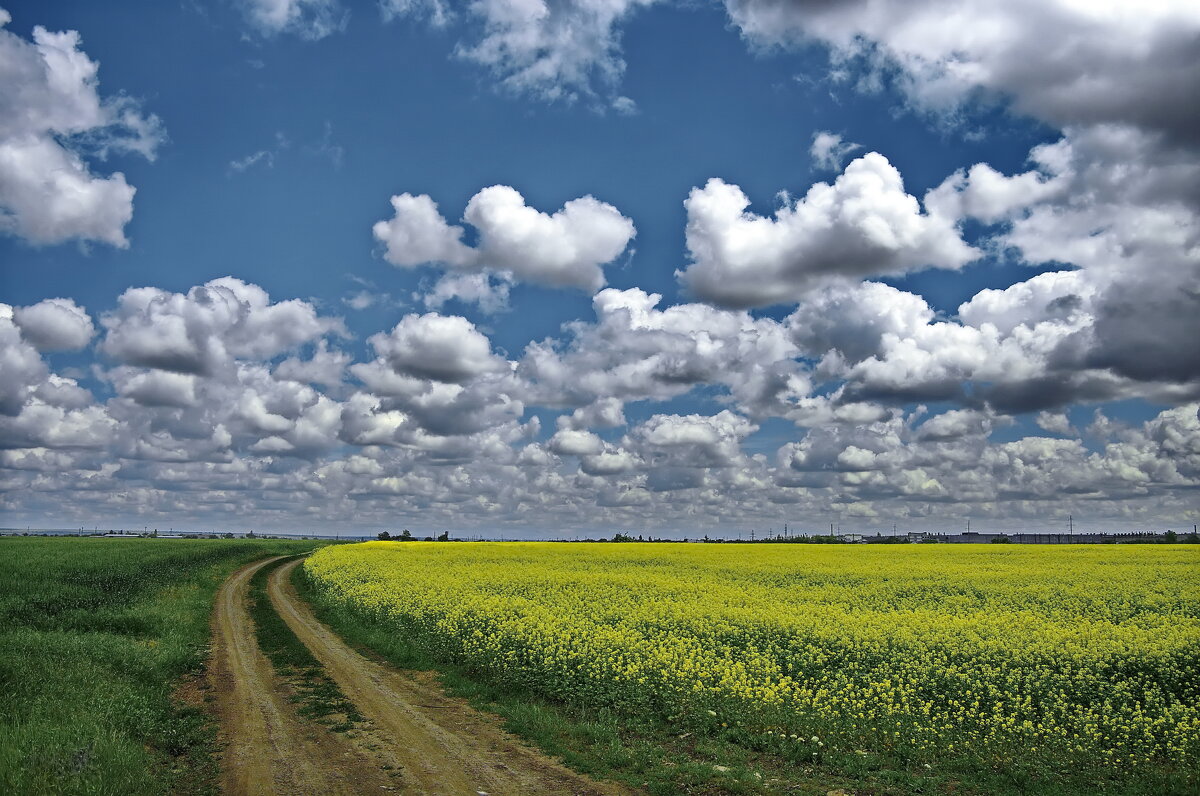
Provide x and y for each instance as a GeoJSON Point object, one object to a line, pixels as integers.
{"type": "Point", "coordinates": [98, 638]}
{"type": "Point", "coordinates": [316, 695]}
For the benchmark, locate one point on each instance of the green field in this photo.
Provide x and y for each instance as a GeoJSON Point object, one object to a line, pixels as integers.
{"type": "Point", "coordinates": [95, 635]}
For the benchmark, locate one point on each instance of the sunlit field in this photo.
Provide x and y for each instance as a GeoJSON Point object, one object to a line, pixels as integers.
{"type": "Point", "coordinates": [1060, 665]}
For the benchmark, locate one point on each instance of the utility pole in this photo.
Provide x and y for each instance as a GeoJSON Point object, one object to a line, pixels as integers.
{"type": "Point", "coordinates": [1071, 525]}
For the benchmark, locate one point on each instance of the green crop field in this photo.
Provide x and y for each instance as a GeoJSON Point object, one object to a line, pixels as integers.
{"type": "Point", "coordinates": [95, 634]}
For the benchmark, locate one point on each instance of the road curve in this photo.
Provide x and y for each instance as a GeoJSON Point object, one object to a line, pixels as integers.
{"type": "Point", "coordinates": [266, 747]}
{"type": "Point", "coordinates": [439, 744]}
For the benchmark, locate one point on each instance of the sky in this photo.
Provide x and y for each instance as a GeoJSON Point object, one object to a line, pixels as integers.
{"type": "Point", "coordinates": [566, 268]}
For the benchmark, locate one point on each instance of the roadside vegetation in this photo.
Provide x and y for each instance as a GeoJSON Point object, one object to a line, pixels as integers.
{"type": "Point", "coordinates": [315, 694]}
{"type": "Point", "coordinates": [99, 638]}
{"type": "Point", "coordinates": [698, 669]}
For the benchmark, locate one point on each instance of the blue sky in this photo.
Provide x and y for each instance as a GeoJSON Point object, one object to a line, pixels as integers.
{"type": "Point", "coordinates": [981, 258]}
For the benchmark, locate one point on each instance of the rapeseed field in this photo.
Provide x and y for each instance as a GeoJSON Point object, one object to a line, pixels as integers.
{"type": "Point", "coordinates": [1081, 658]}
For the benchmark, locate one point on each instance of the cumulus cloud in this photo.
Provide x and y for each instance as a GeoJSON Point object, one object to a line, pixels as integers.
{"type": "Point", "coordinates": [21, 366]}
{"type": "Point", "coordinates": [51, 117]}
{"type": "Point", "coordinates": [864, 224]}
{"type": "Point", "coordinates": [446, 348]}
{"type": "Point", "coordinates": [565, 249]}
{"type": "Point", "coordinates": [1131, 234]}
{"type": "Point", "coordinates": [57, 324]}
{"type": "Point", "coordinates": [692, 440]}
{"type": "Point", "coordinates": [1054, 422]}
{"type": "Point", "coordinates": [635, 351]}
{"type": "Point", "coordinates": [1064, 62]}
{"type": "Point", "coordinates": [207, 328]}
{"type": "Point", "coordinates": [418, 234]}
{"type": "Point", "coordinates": [281, 441]}
{"type": "Point", "coordinates": [326, 366]}
{"type": "Point", "coordinates": [570, 442]}
{"type": "Point", "coordinates": [308, 19]}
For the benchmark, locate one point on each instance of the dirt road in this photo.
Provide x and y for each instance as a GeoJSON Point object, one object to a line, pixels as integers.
{"type": "Point", "coordinates": [267, 747]}
{"type": "Point", "coordinates": [415, 738]}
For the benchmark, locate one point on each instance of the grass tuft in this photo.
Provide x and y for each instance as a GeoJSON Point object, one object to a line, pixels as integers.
{"type": "Point", "coordinates": [316, 694]}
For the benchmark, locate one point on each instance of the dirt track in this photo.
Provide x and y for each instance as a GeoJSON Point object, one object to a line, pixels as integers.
{"type": "Point", "coordinates": [415, 738]}
{"type": "Point", "coordinates": [267, 747]}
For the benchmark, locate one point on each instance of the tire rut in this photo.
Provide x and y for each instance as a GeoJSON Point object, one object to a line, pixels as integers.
{"type": "Point", "coordinates": [440, 745]}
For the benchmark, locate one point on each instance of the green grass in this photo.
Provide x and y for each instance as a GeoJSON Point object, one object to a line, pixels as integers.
{"type": "Point", "coordinates": [317, 696]}
{"type": "Point", "coordinates": [96, 635]}
{"type": "Point", "coordinates": [701, 755]}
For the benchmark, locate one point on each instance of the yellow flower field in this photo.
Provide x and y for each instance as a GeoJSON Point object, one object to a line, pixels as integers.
{"type": "Point", "coordinates": [1078, 656]}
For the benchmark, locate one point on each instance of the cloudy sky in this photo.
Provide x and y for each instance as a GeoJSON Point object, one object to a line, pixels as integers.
{"type": "Point", "coordinates": [559, 267]}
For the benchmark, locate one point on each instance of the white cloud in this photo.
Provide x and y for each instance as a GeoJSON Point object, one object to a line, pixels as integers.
{"type": "Point", "coordinates": [446, 348]}
{"type": "Point", "coordinates": [438, 12]}
{"type": "Point", "coordinates": [864, 224]}
{"type": "Point", "coordinates": [308, 19]}
{"type": "Point", "coordinates": [692, 440]}
{"type": "Point", "coordinates": [57, 324]}
{"type": "Point", "coordinates": [556, 51]}
{"type": "Point", "coordinates": [155, 387]}
{"type": "Point", "coordinates": [1055, 423]}
{"type": "Point", "coordinates": [853, 319]}
{"type": "Point", "coordinates": [361, 300]}
{"type": "Point", "coordinates": [418, 234]}
{"type": "Point", "coordinates": [21, 367]}
{"type": "Point", "coordinates": [51, 116]}
{"type": "Point", "coordinates": [1045, 297]}
{"type": "Point", "coordinates": [984, 193]}
{"type": "Point", "coordinates": [326, 367]}
{"type": "Point", "coordinates": [828, 150]}
{"type": "Point", "coordinates": [635, 351]}
{"type": "Point", "coordinates": [1062, 61]}
{"type": "Point", "coordinates": [565, 249]}
{"type": "Point", "coordinates": [488, 291]}
{"type": "Point", "coordinates": [569, 442]}
{"type": "Point", "coordinates": [205, 330]}
{"type": "Point", "coordinates": [602, 413]}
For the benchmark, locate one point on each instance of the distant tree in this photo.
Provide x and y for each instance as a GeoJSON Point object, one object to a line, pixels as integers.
{"type": "Point", "coordinates": [384, 536]}
{"type": "Point", "coordinates": [405, 536]}
{"type": "Point", "coordinates": [249, 534]}
{"type": "Point", "coordinates": [445, 537]}
{"type": "Point", "coordinates": [1170, 537]}
{"type": "Point", "coordinates": [1001, 540]}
